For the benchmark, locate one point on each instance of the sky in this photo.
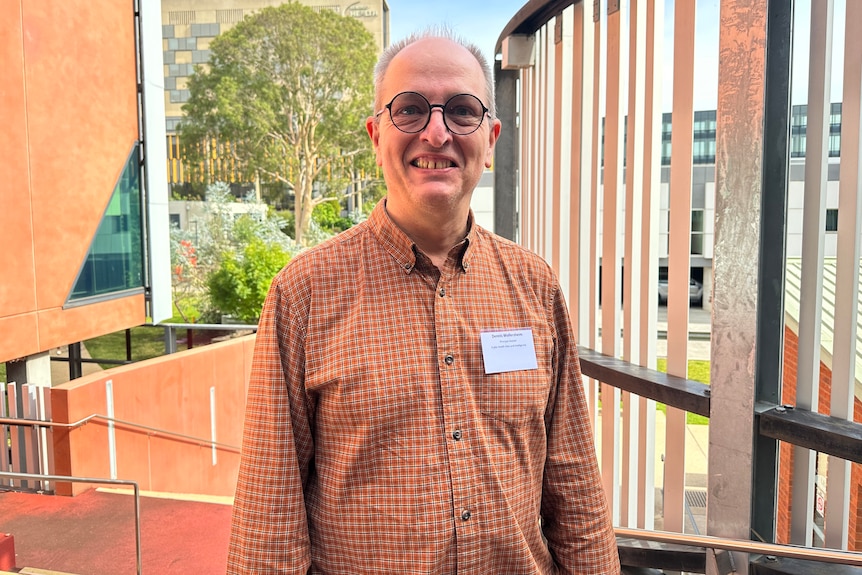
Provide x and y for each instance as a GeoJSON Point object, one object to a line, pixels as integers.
{"type": "Point", "coordinates": [482, 21]}
{"type": "Point", "coordinates": [478, 21]}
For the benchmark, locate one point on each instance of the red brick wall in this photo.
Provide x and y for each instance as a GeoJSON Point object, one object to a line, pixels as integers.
{"type": "Point", "coordinates": [785, 465]}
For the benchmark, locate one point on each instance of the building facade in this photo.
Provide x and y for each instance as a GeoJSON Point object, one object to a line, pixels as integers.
{"type": "Point", "coordinates": [76, 204]}
{"type": "Point", "coordinates": [703, 190]}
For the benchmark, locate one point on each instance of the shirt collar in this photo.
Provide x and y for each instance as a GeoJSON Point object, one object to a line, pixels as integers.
{"type": "Point", "coordinates": [402, 248]}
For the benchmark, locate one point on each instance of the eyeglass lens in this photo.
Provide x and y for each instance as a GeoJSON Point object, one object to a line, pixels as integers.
{"type": "Point", "coordinates": [410, 112]}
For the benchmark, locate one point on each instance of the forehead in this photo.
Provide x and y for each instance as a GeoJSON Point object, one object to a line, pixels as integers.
{"type": "Point", "coordinates": [435, 67]}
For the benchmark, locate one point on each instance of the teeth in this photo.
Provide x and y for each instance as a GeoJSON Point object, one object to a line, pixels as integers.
{"type": "Point", "coordinates": [433, 165]}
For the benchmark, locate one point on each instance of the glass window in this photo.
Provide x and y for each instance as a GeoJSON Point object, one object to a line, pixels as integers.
{"type": "Point", "coordinates": [697, 232]}
{"type": "Point", "coordinates": [114, 262]}
{"type": "Point", "coordinates": [831, 220]}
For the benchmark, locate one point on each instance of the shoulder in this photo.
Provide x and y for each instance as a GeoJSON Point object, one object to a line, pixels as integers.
{"type": "Point", "coordinates": [326, 258]}
{"type": "Point", "coordinates": [517, 259]}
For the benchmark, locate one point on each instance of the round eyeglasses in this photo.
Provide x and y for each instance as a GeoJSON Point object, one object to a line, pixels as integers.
{"type": "Point", "coordinates": [410, 112]}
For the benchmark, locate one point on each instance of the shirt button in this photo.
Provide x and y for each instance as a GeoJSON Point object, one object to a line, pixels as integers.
{"type": "Point", "coordinates": [442, 292]}
{"type": "Point", "coordinates": [408, 267]}
{"type": "Point", "coordinates": [449, 360]}
{"type": "Point", "coordinates": [465, 515]}
{"type": "Point", "coordinates": [456, 435]}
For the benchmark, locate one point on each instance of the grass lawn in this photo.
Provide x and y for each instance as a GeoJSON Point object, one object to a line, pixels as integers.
{"type": "Point", "coordinates": [147, 342]}
{"type": "Point", "coordinates": [698, 370]}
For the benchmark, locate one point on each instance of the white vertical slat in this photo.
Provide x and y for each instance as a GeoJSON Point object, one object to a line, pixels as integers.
{"type": "Point", "coordinates": [611, 250]}
{"type": "Point", "coordinates": [36, 450]}
{"type": "Point", "coordinates": [541, 142]}
{"type": "Point", "coordinates": [649, 262]}
{"type": "Point", "coordinates": [31, 443]}
{"type": "Point", "coordinates": [847, 281]}
{"type": "Point", "coordinates": [679, 255]}
{"type": "Point", "coordinates": [631, 499]}
{"type": "Point", "coordinates": [526, 170]}
{"type": "Point", "coordinates": [112, 433]}
{"type": "Point", "coordinates": [634, 184]}
{"type": "Point", "coordinates": [213, 427]}
{"type": "Point", "coordinates": [580, 160]}
{"type": "Point", "coordinates": [533, 157]}
{"type": "Point", "coordinates": [5, 463]}
{"type": "Point", "coordinates": [813, 232]}
{"type": "Point", "coordinates": [15, 436]}
{"type": "Point", "coordinates": [594, 176]}
{"type": "Point", "coordinates": [46, 435]}
{"type": "Point", "coordinates": [551, 128]}
{"type": "Point", "coordinates": [567, 226]}
{"type": "Point", "coordinates": [560, 169]}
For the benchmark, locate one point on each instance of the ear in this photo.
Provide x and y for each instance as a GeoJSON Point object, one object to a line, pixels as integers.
{"type": "Point", "coordinates": [372, 126]}
{"type": "Point", "coordinates": [493, 134]}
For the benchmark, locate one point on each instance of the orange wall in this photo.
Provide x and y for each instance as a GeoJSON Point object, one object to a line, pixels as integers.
{"type": "Point", "coordinates": [68, 107]}
{"type": "Point", "coordinates": [171, 393]}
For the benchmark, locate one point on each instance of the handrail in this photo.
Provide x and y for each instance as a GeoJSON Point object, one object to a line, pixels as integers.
{"type": "Point", "coordinates": [774, 549]}
{"type": "Point", "coordinates": [207, 326]}
{"type": "Point", "coordinates": [129, 424]}
{"type": "Point", "coordinates": [71, 479]}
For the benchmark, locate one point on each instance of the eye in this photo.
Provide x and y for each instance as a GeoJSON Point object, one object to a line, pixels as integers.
{"type": "Point", "coordinates": [461, 111]}
{"type": "Point", "coordinates": [408, 110]}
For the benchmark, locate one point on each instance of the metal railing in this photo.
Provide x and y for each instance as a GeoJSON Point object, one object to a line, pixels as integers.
{"type": "Point", "coordinates": [150, 431]}
{"type": "Point", "coordinates": [820, 554]}
{"type": "Point", "coordinates": [100, 481]}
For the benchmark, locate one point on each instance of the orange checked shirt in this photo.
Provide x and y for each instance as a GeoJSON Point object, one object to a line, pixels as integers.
{"type": "Point", "coordinates": [375, 441]}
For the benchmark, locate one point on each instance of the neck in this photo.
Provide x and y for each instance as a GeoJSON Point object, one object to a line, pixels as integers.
{"type": "Point", "coordinates": [434, 236]}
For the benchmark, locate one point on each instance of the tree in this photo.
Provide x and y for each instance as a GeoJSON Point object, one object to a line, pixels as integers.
{"type": "Point", "coordinates": [285, 93]}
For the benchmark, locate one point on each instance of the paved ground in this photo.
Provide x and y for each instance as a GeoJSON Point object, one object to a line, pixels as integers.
{"type": "Point", "coordinates": [60, 369]}
{"type": "Point", "coordinates": [94, 533]}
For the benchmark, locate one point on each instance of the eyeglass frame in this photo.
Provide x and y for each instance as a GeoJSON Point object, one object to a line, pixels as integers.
{"type": "Point", "coordinates": [485, 112]}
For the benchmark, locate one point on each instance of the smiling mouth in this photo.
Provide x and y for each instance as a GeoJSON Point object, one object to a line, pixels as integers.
{"type": "Point", "coordinates": [433, 164]}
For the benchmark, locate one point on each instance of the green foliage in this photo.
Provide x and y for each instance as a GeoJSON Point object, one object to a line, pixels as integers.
{"type": "Point", "coordinates": [289, 220]}
{"type": "Point", "coordinates": [698, 370]}
{"type": "Point", "coordinates": [285, 93]}
{"type": "Point", "coordinates": [328, 216]}
{"type": "Point", "coordinates": [239, 286]}
{"type": "Point", "coordinates": [221, 236]}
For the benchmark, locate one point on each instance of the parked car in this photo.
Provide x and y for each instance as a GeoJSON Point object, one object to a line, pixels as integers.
{"type": "Point", "coordinates": [695, 291]}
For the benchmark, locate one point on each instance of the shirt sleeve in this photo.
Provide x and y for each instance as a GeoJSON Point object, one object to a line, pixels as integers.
{"type": "Point", "coordinates": [576, 518]}
{"type": "Point", "coordinates": [269, 529]}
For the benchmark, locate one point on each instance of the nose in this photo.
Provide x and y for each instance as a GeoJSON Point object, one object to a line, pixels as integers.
{"type": "Point", "coordinates": [436, 133]}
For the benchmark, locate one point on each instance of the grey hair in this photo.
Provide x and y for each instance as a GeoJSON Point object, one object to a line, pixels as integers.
{"type": "Point", "coordinates": [433, 32]}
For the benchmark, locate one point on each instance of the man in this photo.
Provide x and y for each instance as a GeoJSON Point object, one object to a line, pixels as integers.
{"type": "Point", "coordinates": [415, 403]}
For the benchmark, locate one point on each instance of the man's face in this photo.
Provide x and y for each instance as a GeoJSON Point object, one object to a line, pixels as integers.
{"type": "Point", "coordinates": [434, 169]}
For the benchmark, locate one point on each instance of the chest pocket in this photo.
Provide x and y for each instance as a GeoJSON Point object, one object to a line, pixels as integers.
{"type": "Point", "coordinates": [521, 396]}
{"type": "Point", "coordinates": [515, 397]}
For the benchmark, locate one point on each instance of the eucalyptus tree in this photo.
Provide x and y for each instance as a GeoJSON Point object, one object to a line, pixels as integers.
{"type": "Point", "coordinates": [284, 96]}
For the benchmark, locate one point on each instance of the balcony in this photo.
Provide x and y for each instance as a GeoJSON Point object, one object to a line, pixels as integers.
{"type": "Point", "coordinates": [582, 90]}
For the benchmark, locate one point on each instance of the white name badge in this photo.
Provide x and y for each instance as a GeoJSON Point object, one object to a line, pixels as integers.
{"type": "Point", "coordinates": [508, 350]}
